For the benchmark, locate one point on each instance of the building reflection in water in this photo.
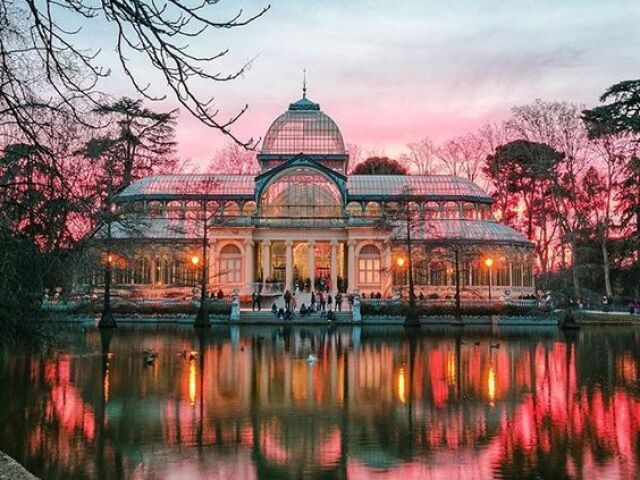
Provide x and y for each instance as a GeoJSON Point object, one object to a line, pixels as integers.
{"type": "Point", "coordinates": [250, 405]}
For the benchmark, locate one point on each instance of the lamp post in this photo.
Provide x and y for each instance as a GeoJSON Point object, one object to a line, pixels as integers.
{"type": "Point", "coordinates": [401, 262]}
{"type": "Point", "coordinates": [489, 263]}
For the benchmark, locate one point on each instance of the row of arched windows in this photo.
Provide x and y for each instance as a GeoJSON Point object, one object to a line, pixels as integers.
{"type": "Point", "coordinates": [427, 210]}
{"type": "Point", "coordinates": [516, 272]}
{"type": "Point", "coordinates": [193, 209]}
{"type": "Point", "coordinates": [178, 271]}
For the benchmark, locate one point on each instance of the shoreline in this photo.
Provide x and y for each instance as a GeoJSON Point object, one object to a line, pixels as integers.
{"type": "Point", "coordinates": [10, 469]}
{"type": "Point", "coordinates": [583, 318]}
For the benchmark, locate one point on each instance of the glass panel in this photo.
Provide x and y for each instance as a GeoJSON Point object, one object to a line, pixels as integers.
{"type": "Point", "coordinates": [301, 193]}
{"type": "Point", "coordinates": [310, 132]}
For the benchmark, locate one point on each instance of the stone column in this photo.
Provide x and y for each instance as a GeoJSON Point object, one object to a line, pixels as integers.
{"type": "Point", "coordinates": [288, 283]}
{"type": "Point", "coordinates": [351, 265]}
{"type": "Point", "coordinates": [334, 266]}
{"type": "Point", "coordinates": [266, 261]}
{"type": "Point", "coordinates": [311, 261]}
{"type": "Point", "coordinates": [510, 270]}
{"type": "Point", "coordinates": [248, 265]}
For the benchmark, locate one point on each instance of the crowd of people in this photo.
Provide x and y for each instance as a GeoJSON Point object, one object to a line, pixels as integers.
{"type": "Point", "coordinates": [321, 301]}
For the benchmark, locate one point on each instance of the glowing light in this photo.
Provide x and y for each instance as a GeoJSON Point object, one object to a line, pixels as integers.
{"type": "Point", "coordinates": [400, 261]}
{"type": "Point", "coordinates": [451, 368]}
{"type": "Point", "coordinates": [488, 262]}
{"type": "Point", "coordinates": [105, 385]}
{"type": "Point", "coordinates": [110, 258]}
{"type": "Point", "coordinates": [401, 386]}
{"type": "Point", "coordinates": [195, 260]}
{"type": "Point", "coordinates": [192, 382]}
{"type": "Point", "coordinates": [491, 386]}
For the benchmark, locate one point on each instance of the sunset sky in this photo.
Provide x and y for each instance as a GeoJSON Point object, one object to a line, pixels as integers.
{"type": "Point", "coordinates": [392, 72]}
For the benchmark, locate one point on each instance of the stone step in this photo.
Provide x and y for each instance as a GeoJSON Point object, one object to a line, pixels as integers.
{"type": "Point", "coordinates": [268, 317]}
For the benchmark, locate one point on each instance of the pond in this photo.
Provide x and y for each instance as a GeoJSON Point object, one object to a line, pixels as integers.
{"type": "Point", "coordinates": [250, 403]}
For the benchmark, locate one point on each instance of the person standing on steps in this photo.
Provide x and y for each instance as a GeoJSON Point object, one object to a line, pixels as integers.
{"type": "Point", "coordinates": [287, 300]}
{"type": "Point", "coordinates": [338, 302]}
{"type": "Point", "coordinates": [313, 302]}
{"type": "Point", "coordinates": [329, 301]}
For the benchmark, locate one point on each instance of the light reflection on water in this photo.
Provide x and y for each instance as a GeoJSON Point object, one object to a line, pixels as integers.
{"type": "Point", "coordinates": [377, 403]}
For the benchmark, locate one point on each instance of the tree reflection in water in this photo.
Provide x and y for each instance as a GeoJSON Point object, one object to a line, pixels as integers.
{"type": "Point", "coordinates": [248, 405]}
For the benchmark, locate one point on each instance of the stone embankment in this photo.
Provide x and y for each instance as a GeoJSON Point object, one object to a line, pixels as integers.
{"type": "Point", "coordinates": [12, 470]}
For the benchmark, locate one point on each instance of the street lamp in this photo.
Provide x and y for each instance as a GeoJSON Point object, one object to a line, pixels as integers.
{"type": "Point", "coordinates": [401, 263]}
{"type": "Point", "coordinates": [195, 260]}
{"type": "Point", "coordinates": [489, 263]}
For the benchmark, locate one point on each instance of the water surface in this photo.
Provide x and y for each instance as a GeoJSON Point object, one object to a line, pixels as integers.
{"type": "Point", "coordinates": [377, 403]}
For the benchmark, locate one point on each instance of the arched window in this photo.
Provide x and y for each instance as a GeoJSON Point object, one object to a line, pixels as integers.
{"type": "Point", "coordinates": [154, 209]}
{"type": "Point", "coordinates": [162, 272]}
{"type": "Point", "coordinates": [369, 266]}
{"type": "Point", "coordinates": [372, 209]}
{"type": "Point", "coordinates": [354, 209]}
{"type": "Point", "coordinates": [517, 271]}
{"type": "Point", "coordinates": [485, 212]}
{"type": "Point", "coordinates": [501, 274]}
{"type": "Point", "coordinates": [249, 209]}
{"type": "Point", "coordinates": [142, 271]}
{"type": "Point", "coordinates": [392, 208]}
{"type": "Point", "coordinates": [451, 210]}
{"type": "Point", "coordinates": [432, 210]}
{"type": "Point", "coordinates": [230, 265]}
{"type": "Point", "coordinates": [193, 210]}
{"type": "Point", "coordinates": [231, 209]}
{"type": "Point", "coordinates": [301, 193]}
{"type": "Point", "coordinates": [469, 210]}
{"type": "Point", "coordinates": [175, 210]}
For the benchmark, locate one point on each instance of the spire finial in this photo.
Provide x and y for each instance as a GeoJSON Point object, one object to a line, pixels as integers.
{"type": "Point", "coordinates": [304, 83]}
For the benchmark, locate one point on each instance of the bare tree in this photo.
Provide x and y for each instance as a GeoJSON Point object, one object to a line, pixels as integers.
{"type": "Point", "coordinates": [464, 156]}
{"type": "Point", "coordinates": [234, 159]}
{"type": "Point", "coordinates": [45, 66]}
{"type": "Point", "coordinates": [599, 185]}
{"type": "Point", "coordinates": [422, 157]}
{"type": "Point", "coordinates": [559, 125]}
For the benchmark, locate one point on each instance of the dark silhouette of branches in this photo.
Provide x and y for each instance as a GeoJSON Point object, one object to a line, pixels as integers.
{"type": "Point", "coordinates": [45, 67]}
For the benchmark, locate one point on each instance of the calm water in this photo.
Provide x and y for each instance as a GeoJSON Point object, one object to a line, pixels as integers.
{"type": "Point", "coordinates": [376, 404]}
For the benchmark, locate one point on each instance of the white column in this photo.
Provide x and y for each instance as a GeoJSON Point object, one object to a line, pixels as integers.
{"type": "Point", "coordinates": [266, 261]}
{"type": "Point", "coordinates": [510, 270]}
{"type": "Point", "coordinates": [289, 265]}
{"type": "Point", "coordinates": [334, 266]}
{"type": "Point", "coordinates": [351, 265]}
{"type": "Point", "coordinates": [248, 265]}
{"type": "Point", "coordinates": [311, 260]}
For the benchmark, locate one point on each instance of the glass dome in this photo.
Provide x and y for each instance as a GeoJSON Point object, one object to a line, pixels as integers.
{"type": "Point", "coordinates": [304, 128]}
{"type": "Point", "coordinates": [301, 193]}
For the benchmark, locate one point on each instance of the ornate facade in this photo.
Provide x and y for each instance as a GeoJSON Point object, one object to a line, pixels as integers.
{"type": "Point", "coordinates": [304, 220]}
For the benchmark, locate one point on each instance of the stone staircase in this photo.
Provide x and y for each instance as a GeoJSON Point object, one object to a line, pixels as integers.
{"type": "Point", "coordinates": [265, 317]}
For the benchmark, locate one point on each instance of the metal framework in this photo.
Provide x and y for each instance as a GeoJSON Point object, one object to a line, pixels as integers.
{"type": "Point", "coordinates": [303, 129]}
{"type": "Point", "coordinates": [301, 193]}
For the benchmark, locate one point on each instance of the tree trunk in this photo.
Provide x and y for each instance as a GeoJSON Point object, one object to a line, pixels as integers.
{"type": "Point", "coordinates": [202, 318]}
{"type": "Point", "coordinates": [605, 265]}
{"type": "Point", "coordinates": [106, 318]}
{"type": "Point", "coordinates": [413, 319]}
{"type": "Point", "coordinates": [574, 270]}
